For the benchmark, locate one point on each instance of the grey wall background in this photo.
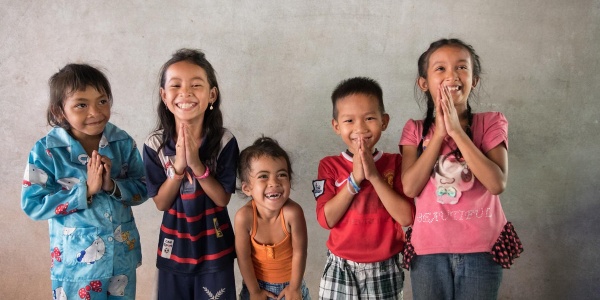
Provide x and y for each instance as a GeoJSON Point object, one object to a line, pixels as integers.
{"type": "Point", "coordinates": [277, 64]}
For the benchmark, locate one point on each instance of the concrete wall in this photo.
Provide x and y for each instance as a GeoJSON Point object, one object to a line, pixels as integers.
{"type": "Point", "coordinates": [277, 65]}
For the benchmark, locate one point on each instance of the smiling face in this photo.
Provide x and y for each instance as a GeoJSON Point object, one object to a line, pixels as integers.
{"type": "Point", "coordinates": [450, 66]}
{"type": "Point", "coordinates": [187, 92]}
{"type": "Point", "coordinates": [359, 117]}
{"type": "Point", "coordinates": [268, 182]}
{"type": "Point", "coordinates": [87, 112]}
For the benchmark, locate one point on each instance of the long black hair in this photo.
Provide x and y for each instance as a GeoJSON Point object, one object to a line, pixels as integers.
{"type": "Point", "coordinates": [212, 125]}
{"type": "Point", "coordinates": [423, 65]}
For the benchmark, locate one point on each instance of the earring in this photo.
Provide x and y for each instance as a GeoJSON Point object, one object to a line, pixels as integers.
{"type": "Point", "coordinates": [211, 106]}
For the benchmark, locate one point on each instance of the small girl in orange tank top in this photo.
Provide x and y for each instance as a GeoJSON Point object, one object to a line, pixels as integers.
{"type": "Point", "coordinates": [270, 230]}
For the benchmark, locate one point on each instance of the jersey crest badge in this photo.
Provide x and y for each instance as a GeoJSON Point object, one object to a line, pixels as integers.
{"type": "Point", "coordinates": [318, 187]}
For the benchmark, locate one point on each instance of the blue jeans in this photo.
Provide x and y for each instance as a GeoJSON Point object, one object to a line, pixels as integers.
{"type": "Point", "coordinates": [274, 288]}
{"type": "Point", "coordinates": [455, 276]}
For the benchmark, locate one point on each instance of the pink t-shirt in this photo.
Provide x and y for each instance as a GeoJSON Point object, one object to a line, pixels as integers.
{"type": "Point", "coordinates": [455, 213]}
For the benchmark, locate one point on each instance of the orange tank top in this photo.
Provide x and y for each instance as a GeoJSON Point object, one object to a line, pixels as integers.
{"type": "Point", "coordinates": [272, 263]}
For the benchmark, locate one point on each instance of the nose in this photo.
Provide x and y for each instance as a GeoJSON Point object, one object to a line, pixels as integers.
{"type": "Point", "coordinates": [185, 91]}
{"type": "Point", "coordinates": [453, 74]}
{"type": "Point", "coordinates": [274, 181]}
{"type": "Point", "coordinates": [360, 126]}
{"type": "Point", "coordinates": [93, 110]}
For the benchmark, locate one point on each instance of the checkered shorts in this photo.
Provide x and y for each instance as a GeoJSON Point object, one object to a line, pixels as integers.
{"type": "Point", "coordinates": [345, 279]}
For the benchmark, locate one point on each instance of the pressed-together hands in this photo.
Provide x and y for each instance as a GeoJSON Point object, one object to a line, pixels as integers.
{"type": "Point", "coordinates": [447, 121]}
{"type": "Point", "coordinates": [186, 152]}
{"type": "Point", "coordinates": [363, 164]}
{"type": "Point", "coordinates": [98, 174]}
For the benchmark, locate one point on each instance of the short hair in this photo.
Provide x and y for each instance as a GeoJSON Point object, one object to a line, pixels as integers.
{"type": "Point", "coordinates": [68, 80]}
{"type": "Point", "coordinates": [357, 85]}
{"type": "Point", "coordinates": [263, 146]}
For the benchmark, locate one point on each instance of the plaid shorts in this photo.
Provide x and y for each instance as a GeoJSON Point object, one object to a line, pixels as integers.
{"type": "Point", "coordinates": [345, 279]}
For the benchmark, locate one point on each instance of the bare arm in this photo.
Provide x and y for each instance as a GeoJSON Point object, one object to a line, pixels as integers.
{"type": "Point", "coordinates": [212, 187]}
{"type": "Point", "coordinates": [167, 193]}
{"type": "Point", "coordinates": [337, 206]}
{"type": "Point", "coordinates": [295, 218]}
{"type": "Point", "coordinates": [243, 245]}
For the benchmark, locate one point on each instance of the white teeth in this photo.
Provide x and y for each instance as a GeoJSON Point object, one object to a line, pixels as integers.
{"type": "Point", "coordinates": [273, 196]}
{"type": "Point", "coordinates": [453, 88]}
{"type": "Point", "coordinates": [185, 105]}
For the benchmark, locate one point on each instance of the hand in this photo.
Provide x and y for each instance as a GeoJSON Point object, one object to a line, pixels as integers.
{"type": "Point", "coordinates": [191, 151]}
{"type": "Point", "coordinates": [290, 294]}
{"type": "Point", "coordinates": [94, 173]}
{"type": "Point", "coordinates": [107, 183]}
{"type": "Point", "coordinates": [440, 126]}
{"type": "Point", "coordinates": [368, 163]}
{"type": "Point", "coordinates": [357, 165]}
{"type": "Point", "coordinates": [262, 295]}
{"type": "Point", "coordinates": [451, 120]}
{"type": "Point", "coordinates": [180, 152]}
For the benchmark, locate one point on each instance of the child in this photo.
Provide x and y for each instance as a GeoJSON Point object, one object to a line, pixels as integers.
{"type": "Point", "coordinates": [270, 238]}
{"type": "Point", "coordinates": [360, 200]}
{"type": "Point", "coordinates": [191, 162]}
{"type": "Point", "coordinates": [83, 177]}
{"type": "Point", "coordinates": [455, 165]}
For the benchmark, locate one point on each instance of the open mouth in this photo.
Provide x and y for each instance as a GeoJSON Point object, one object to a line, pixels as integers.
{"type": "Point", "coordinates": [454, 88]}
{"type": "Point", "coordinates": [272, 196]}
{"type": "Point", "coordinates": [186, 105]}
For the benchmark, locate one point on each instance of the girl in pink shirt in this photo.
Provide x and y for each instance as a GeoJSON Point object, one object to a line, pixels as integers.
{"type": "Point", "coordinates": [455, 164]}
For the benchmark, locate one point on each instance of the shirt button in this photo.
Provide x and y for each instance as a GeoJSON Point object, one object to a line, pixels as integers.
{"type": "Point", "coordinates": [110, 239]}
{"type": "Point", "coordinates": [107, 215]}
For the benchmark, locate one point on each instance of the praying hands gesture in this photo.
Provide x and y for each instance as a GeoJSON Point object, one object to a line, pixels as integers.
{"type": "Point", "coordinates": [186, 152]}
{"type": "Point", "coordinates": [98, 174]}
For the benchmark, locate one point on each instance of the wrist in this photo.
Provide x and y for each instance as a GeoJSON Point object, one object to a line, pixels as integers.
{"type": "Point", "coordinates": [172, 173]}
{"type": "Point", "coordinates": [353, 183]}
{"type": "Point", "coordinates": [204, 175]}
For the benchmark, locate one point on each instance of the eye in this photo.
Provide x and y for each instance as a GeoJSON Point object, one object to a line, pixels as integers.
{"type": "Point", "coordinates": [371, 118]}
{"type": "Point", "coordinates": [104, 101]}
{"type": "Point", "coordinates": [283, 175]}
{"type": "Point", "coordinates": [347, 121]}
{"type": "Point", "coordinates": [439, 69]}
{"type": "Point", "coordinates": [80, 105]}
{"type": "Point", "coordinates": [463, 68]}
{"type": "Point", "coordinates": [262, 176]}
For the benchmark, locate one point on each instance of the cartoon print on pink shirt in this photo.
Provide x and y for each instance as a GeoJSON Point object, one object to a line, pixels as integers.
{"type": "Point", "coordinates": [451, 177]}
{"type": "Point", "coordinates": [34, 175]}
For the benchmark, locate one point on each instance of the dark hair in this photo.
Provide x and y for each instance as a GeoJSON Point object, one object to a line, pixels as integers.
{"type": "Point", "coordinates": [212, 125]}
{"type": "Point", "coordinates": [357, 85]}
{"type": "Point", "coordinates": [423, 65]}
{"type": "Point", "coordinates": [68, 80]}
{"type": "Point", "coordinates": [263, 146]}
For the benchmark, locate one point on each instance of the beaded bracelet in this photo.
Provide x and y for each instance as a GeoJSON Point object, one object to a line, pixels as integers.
{"type": "Point", "coordinates": [203, 176]}
{"type": "Point", "coordinates": [353, 182]}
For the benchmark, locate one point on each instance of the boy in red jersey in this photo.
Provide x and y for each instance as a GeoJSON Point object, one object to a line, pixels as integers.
{"type": "Point", "coordinates": [360, 200]}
